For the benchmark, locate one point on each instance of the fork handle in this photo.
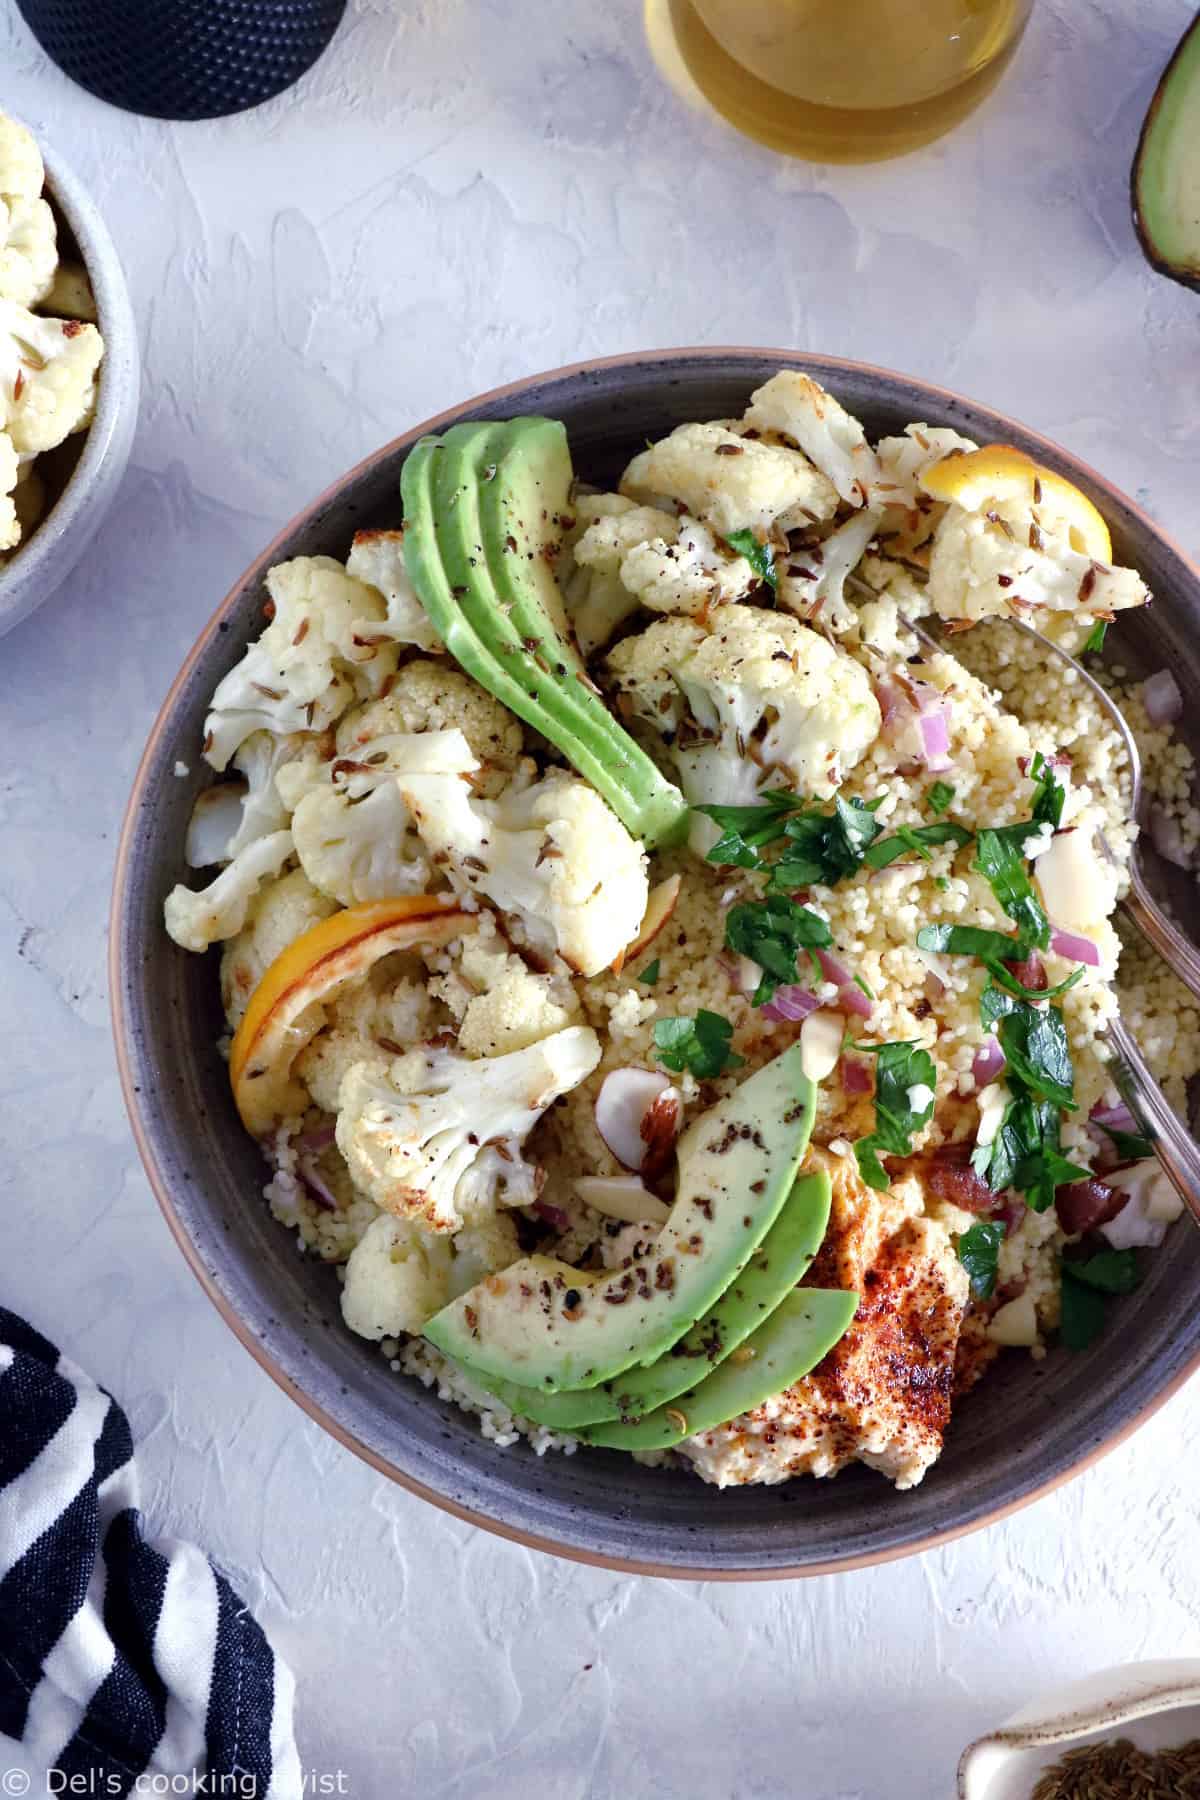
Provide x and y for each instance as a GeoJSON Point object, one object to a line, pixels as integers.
{"type": "Point", "coordinates": [1175, 949]}
{"type": "Point", "coordinates": [1173, 1143]}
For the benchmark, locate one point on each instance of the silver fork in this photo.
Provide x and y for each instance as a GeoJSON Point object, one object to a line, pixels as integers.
{"type": "Point", "coordinates": [1173, 1143]}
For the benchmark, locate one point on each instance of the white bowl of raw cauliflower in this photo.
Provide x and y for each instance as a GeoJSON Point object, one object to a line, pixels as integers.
{"type": "Point", "coordinates": [68, 371]}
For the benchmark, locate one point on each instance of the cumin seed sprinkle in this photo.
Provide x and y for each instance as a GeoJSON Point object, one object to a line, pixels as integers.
{"type": "Point", "coordinates": [1118, 1770]}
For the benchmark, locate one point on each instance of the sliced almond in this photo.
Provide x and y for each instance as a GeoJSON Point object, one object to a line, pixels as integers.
{"type": "Point", "coordinates": [622, 1197]}
{"type": "Point", "coordinates": [821, 1043]}
{"type": "Point", "coordinates": [626, 1097]}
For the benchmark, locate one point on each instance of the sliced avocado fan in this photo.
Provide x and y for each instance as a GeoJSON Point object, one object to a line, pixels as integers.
{"type": "Point", "coordinates": [804, 1327]}
{"type": "Point", "coordinates": [776, 1266]}
{"type": "Point", "coordinates": [1166, 169]}
{"type": "Point", "coordinates": [541, 1323]}
{"type": "Point", "coordinates": [483, 512]}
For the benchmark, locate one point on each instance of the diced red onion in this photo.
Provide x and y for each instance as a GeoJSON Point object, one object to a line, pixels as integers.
{"type": "Point", "coordinates": [833, 969]}
{"type": "Point", "coordinates": [312, 1179]}
{"type": "Point", "coordinates": [856, 1076]}
{"type": "Point", "coordinates": [852, 999]}
{"type": "Point", "coordinates": [319, 1138]}
{"type": "Point", "coordinates": [1115, 1118]}
{"type": "Point", "coordinates": [935, 736]}
{"type": "Point", "coordinates": [989, 1061]}
{"type": "Point", "coordinates": [1082, 1205]}
{"type": "Point", "coordinates": [850, 996]}
{"type": "Point", "coordinates": [551, 1215]}
{"type": "Point", "coordinates": [1162, 698]}
{"type": "Point", "coordinates": [1079, 949]}
{"type": "Point", "coordinates": [791, 1003]}
{"type": "Point", "coordinates": [1164, 835]}
{"type": "Point", "coordinates": [1029, 970]}
{"type": "Point", "coordinates": [890, 699]}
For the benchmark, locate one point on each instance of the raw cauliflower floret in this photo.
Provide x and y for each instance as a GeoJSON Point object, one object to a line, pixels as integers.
{"type": "Point", "coordinates": [731, 483]}
{"type": "Point", "coordinates": [377, 558]}
{"type": "Point", "coordinates": [688, 573]}
{"type": "Point", "coordinates": [985, 564]}
{"type": "Point", "coordinates": [28, 250]}
{"type": "Point", "coordinates": [10, 523]}
{"type": "Point", "coordinates": [430, 696]}
{"type": "Point", "coordinates": [771, 703]}
{"type": "Point", "coordinates": [398, 1275]}
{"type": "Point", "coordinates": [196, 920]}
{"type": "Point", "coordinates": [353, 832]}
{"type": "Point", "coordinates": [47, 377]}
{"type": "Point", "coordinates": [513, 1007]}
{"type": "Point", "coordinates": [439, 1139]}
{"type": "Point", "coordinates": [22, 172]}
{"type": "Point", "coordinates": [321, 650]}
{"type": "Point", "coordinates": [551, 856]}
{"type": "Point", "coordinates": [279, 913]}
{"type": "Point", "coordinates": [799, 408]}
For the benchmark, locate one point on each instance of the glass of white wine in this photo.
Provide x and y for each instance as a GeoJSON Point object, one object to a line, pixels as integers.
{"type": "Point", "coordinates": [843, 80]}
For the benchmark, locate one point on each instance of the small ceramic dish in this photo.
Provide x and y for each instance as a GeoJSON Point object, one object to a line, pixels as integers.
{"type": "Point", "coordinates": [43, 561]}
{"type": "Point", "coordinates": [1155, 1704]}
{"type": "Point", "coordinates": [1031, 1425]}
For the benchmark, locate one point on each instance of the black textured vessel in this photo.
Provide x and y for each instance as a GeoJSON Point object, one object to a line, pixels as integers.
{"type": "Point", "coordinates": [183, 59]}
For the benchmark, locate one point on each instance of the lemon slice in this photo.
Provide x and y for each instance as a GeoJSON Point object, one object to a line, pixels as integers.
{"type": "Point", "coordinates": [974, 479]}
{"type": "Point", "coordinates": [280, 1018]}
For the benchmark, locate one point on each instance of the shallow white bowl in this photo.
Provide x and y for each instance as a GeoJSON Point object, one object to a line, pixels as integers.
{"type": "Point", "coordinates": [1157, 1704]}
{"type": "Point", "coordinates": [42, 563]}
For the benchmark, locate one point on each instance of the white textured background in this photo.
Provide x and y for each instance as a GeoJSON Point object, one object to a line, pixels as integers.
{"type": "Point", "coordinates": [458, 195]}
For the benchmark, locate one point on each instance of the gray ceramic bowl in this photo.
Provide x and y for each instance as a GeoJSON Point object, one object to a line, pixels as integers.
{"type": "Point", "coordinates": [1030, 1425]}
{"type": "Point", "coordinates": [42, 563]}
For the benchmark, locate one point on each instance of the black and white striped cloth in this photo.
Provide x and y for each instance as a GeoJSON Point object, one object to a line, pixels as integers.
{"type": "Point", "coordinates": [118, 1657]}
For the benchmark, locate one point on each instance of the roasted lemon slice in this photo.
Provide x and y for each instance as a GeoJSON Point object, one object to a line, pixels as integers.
{"type": "Point", "coordinates": [284, 1010]}
{"type": "Point", "coordinates": [995, 473]}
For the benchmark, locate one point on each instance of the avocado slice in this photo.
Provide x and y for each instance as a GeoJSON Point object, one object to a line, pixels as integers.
{"type": "Point", "coordinates": [776, 1266]}
{"type": "Point", "coordinates": [804, 1327]}
{"type": "Point", "coordinates": [1166, 169]}
{"type": "Point", "coordinates": [541, 1323]}
{"type": "Point", "coordinates": [499, 611]}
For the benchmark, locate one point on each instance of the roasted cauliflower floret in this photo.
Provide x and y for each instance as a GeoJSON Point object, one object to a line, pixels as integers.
{"type": "Point", "coordinates": [812, 583]}
{"type": "Point", "coordinates": [1000, 563]}
{"type": "Point", "coordinates": [757, 701]}
{"type": "Point", "coordinates": [439, 1139]}
{"type": "Point", "coordinates": [28, 250]}
{"type": "Point", "coordinates": [798, 408]}
{"type": "Point", "coordinates": [377, 558]}
{"type": "Point", "coordinates": [231, 816]}
{"type": "Point", "coordinates": [687, 573]}
{"type": "Point", "coordinates": [321, 649]}
{"type": "Point", "coordinates": [730, 482]}
{"type": "Point", "coordinates": [398, 1275]}
{"type": "Point", "coordinates": [279, 913]}
{"type": "Point", "coordinates": [551, 856]}
{"type": "Point", "coordinates": [196, 920]}
{"type": "Point", "coordinates": [513, 1007]}
{"type": "Point", "coordinates": [596, 599]}
{"type": "Point", "coordinates": [47, 377]}
{"type": "Point", "coordinates": [431, 696]}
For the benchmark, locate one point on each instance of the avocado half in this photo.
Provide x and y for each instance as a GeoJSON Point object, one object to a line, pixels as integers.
{"type": "Point", "coordinates": [1166, 169]}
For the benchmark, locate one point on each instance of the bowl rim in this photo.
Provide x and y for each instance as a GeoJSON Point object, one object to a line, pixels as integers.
{"type": "Point", "coordinates": [825, 367]}
{"type": "Point", "coordinates": [42, 562]}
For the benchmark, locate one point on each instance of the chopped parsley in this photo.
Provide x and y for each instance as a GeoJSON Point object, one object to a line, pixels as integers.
{"type": "Point", "coordinates": [979, 1254]}
{"type": "Point", "coordinates": [995, 950]}
{"type": "Point", "coordinates": [700, 1045]}
{"type": "Point", "coordinates": [1034, 1041]}
{"type": "Point", "coordinates": [939, 798]}
{"type": "Point", "coordinates": [1096, 636]}
{"type": "Point", "coordinates": [1025, 1154]}
{"type": "Point", "coordinates": [1001, 862]}
{"type": "Point", "coordinates": [1130, 1146]}
{"type": "Point", "coordinates": [824, 847]}
{"type": "Point", "coordinates": [1086, 1288]}
{"type": "Point", "coordinates": [900, 1069]}
{"type": "Point", "coordinates": [772, 933]}
{"type": "Point", "coordinates": [650, 973]}
{"type": "Point", "coordinates": [915, 837]}
{"type": "Point", "coordinates": [761, 557]}
{"type": "Point", "coordinates": [745, 830]}
{"type": "Point", "coordinates": [1049, 794]}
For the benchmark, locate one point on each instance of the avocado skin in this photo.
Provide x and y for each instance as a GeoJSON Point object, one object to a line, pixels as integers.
{"type": "Point", "coordinates": [804, 1327]}
{"type": "Point", "coordinates": [777, 1265]}
{"type": "Point", "coordinates": [481, 566]}
{"type": "Point", "coordinates": [1168, 135]}
{"type": "Point", "coordinates": [542, 1323]}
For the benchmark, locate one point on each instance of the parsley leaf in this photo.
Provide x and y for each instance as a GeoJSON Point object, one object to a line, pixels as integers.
{"type": "Point", "coordinates": [650, 973]}
{"type": "Point", "coordinates": [899, 1068]}
{"type": "Point", "coordinates": [1086, 1287]}
{"type": "Point", "coordinates": [1002, 864]}
{"type": "Point", "coordinates": [915, 837]}
{"type": "Point", "coordinates": [1049, 796]}
{"type": "Point", "coordinates": [979, 1252]}
{"type": "Point", "coordinates": [824, 847]}
{"type": "Point", "coordinates": [939, 798]}
{"type": "Point", "coordinates": [745, 829]}
{"type": "Point", "coordinates": [1034, 1041]}
{"type": "Point", "coordinates": [1095, 638]}
{"type": "Point", "coordinates": [700, 1045]}
{"type": "Point", "coordinates": [1110, 1271]}
{"type": "Point", "coordinates": [995, 949]}
{"type": "Point", "coordinates": [761, 557]}
{"type": "Point", "coordinates": [1025, 1154]}
{"type": "Point", "coordinates": [772, 932]}
{"type": "Point", "coordinates": [1130, 1146]}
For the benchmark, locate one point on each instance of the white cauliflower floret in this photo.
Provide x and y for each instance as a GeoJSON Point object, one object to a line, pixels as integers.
{"type": "Point", "coordinates": [231, 816]}
{"type": "Point", "coordinates": [552, 856]}
{"type": "Point", "coordinates": [440, 1138]}
{"type": "Point", "coordinates": [984, 565]}
{"type": "Point", "coordinates": [812, 581]}
{"type": "Point", "coordinates": [196, 920]}
{"type": "Point", "coordinates": [597, 599]}
{"type": "Point", "coordinates": [771, 704]}
{"type": "Point", "coordinates": [513, 1007]}
{"type": "Point", "coordinates": [321, 649]}
{"type": "Point", "coordinates": [353, 832]}
{"type": "Point", "coordinates": [730, 482]}
{"type": "Point", "coordinates": [687, 573]}
{"type": "Point", "coordinates": [47, 377]}
{"type": "Point", "coordinates": [22, 171]}
{"type": "Point", "coordinates": [28, 250]}
{"type": "Point", "coordinates": [799, 408]}
{"type": "Point", "coordinates": [367, 1024]}
{"type": "Point", "coordinates": [398, 1275]}
{"type": "Point", "coordinates": [280, 913]}
{"type": "Point", "coordinates": [10, 468]}
{"type": "Point", "coordinates": [910, 514]}
{"type": "Point", "coordinates": [70, 295]}
{"type": "Point", "coordinates": [430, 696]}
{"type": "Point", "coordinates": [377, 558]}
